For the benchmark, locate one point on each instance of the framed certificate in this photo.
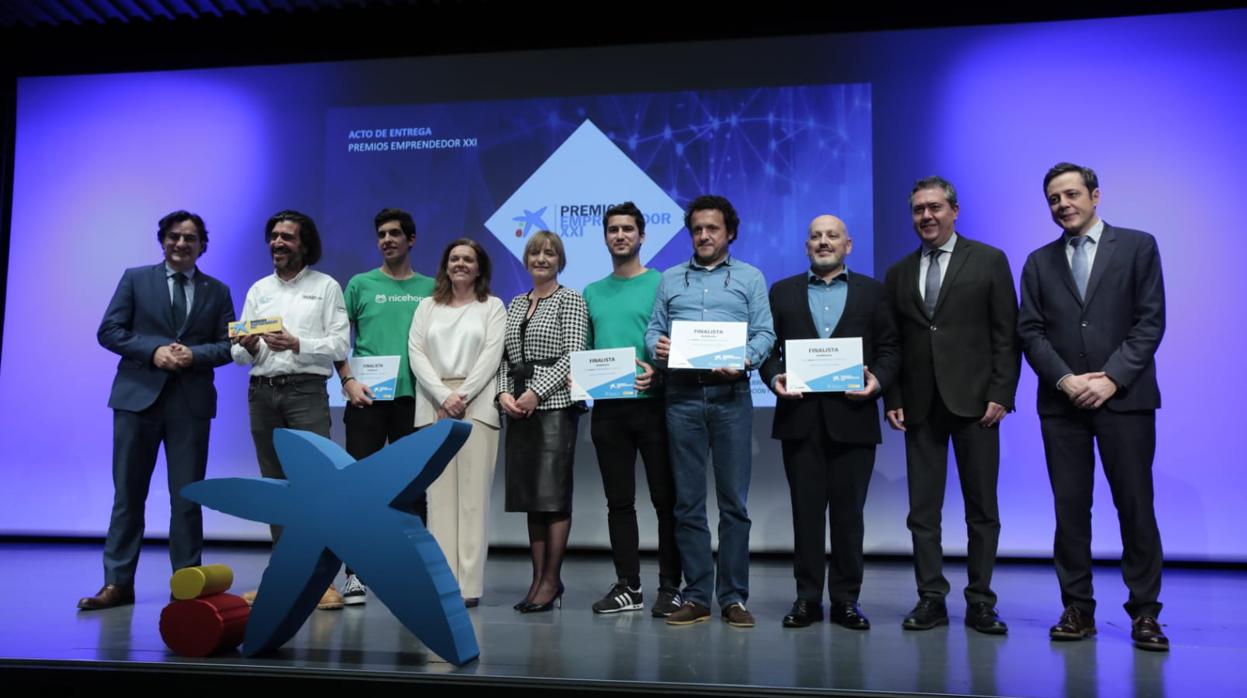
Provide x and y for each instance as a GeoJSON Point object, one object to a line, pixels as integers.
{"type": "Point", "coordinates": [824, 365]}
{"type": "Point", "coordinates": [379, 373]}
{"type": "Point", "coordinates": [604, 374]}
{"type": "Point", "coordinates": [707, 345]}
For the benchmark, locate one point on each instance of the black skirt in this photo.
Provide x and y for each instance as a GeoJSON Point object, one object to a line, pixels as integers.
{"type": "Point", "coordinates": [541, 453]}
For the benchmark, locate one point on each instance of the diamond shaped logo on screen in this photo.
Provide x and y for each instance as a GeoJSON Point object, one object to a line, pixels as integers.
{"type": "Point", "coordinates": [568, 195]}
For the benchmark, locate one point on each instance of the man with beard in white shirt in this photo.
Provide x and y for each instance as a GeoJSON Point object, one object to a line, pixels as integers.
{"type": "Point", "coordinates": [289, 367]}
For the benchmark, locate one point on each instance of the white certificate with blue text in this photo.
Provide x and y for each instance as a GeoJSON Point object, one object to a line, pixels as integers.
{"type": "Point", "coordinates": [831, 365]}
{"type": "Point", "coordinates": [707, 345]}
{"type": "Point", "coordinates": [379, 373]}
{"type": "Point", "coordinates": [604, 374]}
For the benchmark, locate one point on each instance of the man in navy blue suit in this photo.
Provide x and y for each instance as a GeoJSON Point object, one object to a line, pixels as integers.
{"type": "Point", "coordinates": [1092, 316]}
{"type": "Point", "coordinates": [168, 324]}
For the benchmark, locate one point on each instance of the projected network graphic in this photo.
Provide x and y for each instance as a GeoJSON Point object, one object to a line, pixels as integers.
{"type": "Point", "coordinates": [498, 171]}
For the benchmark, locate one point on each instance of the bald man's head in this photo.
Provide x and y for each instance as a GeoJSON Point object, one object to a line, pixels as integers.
{"type": "Point", "coordinates": [827, 245]}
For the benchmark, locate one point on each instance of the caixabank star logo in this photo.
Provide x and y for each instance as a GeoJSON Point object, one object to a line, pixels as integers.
{"type": "Point", "coordinates": [569, 194]}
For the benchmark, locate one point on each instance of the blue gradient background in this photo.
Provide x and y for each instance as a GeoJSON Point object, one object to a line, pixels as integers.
{"type": "Point", "coordinates": [1155, 104]}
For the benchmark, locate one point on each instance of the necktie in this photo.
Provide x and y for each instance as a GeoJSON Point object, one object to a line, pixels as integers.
{"type": "Point", "coordinates": [179, 301]}
{"type": "Point", "coordinates": [1079, 266]}
{"type": "Point", "coordinates": [932, 290]}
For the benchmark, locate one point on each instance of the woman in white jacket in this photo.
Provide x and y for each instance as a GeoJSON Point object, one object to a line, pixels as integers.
{"type": "Point", "coordinates": [455, 347]}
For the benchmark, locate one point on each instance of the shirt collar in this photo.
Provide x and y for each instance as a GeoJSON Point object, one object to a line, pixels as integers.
{"type": "Point", "coordinates": [1094, 234]}
{"type": "Point", "coordinates": [296, 278]}
{"type": "Point", "coordinates": [947, 247]}
{"type": "Point", "coordinates": [814, 280]}
{"type": "Point", "coordinates": [170, 271]}
{"type": "Point", "coordinates": [692, 264]}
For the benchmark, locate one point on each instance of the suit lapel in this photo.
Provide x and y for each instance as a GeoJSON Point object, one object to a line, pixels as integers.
{"type": "Point", "coordinates": [1103, 255]}
{"type": "Point", "coordinates": [957, 260]}
{"type": "Point", "coordinates": [201, 295]}
{"type": "Point", "coordinates": [800, 299]}
{"type": "Point", "coordinates": [158, 290]}
{"type": "Point", "coordinates": [911, 279]}
{"type": "Point", "coordinates": [1061, 264]}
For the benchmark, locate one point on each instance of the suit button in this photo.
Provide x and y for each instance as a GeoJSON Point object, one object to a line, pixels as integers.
{"type": "Point", "coordinates": [1084, 323]}
{"type": "Point", "coordinates": [1082, 355]}
{"type": "Point", "coordinates": [933, 328]}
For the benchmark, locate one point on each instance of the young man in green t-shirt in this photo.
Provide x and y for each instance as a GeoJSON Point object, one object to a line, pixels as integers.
{"type": "Point", "coordinates": [619, 311]}
{"type": "Point", "coordinates": [380, 304]}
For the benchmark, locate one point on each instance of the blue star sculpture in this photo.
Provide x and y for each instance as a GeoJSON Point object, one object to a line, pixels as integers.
{"type": "Point", "coordinates": [334, 507]}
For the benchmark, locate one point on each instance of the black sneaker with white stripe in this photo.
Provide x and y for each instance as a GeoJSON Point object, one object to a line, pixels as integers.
{"type": "Point", "coordinates": [669, 601]}
{"type": "Point", "coordinates": [620, 598]}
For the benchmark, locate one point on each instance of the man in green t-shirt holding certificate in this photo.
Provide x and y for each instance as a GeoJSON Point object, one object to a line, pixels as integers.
{"type": "Point", "coordinates": [620, 306]}
{"type": "Point", "coordinates": [380, 304]}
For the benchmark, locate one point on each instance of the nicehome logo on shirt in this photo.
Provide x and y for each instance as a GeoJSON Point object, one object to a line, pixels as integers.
{"type": "Point", "coordinates": [568, 195]}
{"type": "Point", "coordinates": [397, 298]}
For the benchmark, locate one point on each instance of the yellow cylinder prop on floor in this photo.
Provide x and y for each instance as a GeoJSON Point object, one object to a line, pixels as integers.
{"type": "Point", "coordinates": [206, 580]}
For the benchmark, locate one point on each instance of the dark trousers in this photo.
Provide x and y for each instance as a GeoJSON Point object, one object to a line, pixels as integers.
{"type": "Point", "coordinates": [620, 429]}
{"type": "Point", "coordinates": [1127, 446]}
{"type": "Point", "coordinates": [299, 403]}
{"type": "Point", "coordinates": [136, 441]}
{"type": "Point", "coordinates": [370, 428]}
{"type": "Point", "coordinates": [978, 465]}
{"type": "Point", "coordinates": [823, 473]}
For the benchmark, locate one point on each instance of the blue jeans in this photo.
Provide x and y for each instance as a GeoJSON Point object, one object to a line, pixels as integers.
{"type": "Point", "coordinates": [705, 421]}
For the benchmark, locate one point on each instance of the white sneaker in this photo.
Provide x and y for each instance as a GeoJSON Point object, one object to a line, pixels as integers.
{"type": "Point", "coordinates": [354, 592]}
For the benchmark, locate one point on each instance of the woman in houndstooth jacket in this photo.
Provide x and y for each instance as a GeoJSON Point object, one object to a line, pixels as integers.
{"type": "Point", "coordinates": [543, 327]}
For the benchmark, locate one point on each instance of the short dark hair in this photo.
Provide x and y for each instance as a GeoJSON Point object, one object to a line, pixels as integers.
{"type": "Point", "coordinates": [1088, 175]}
{"type": "Point", "coordinates": [539, 240]}
{"type": "Point", "coordinates": [710, 202]}
{"type": "Point", "coordinates": [934, 182]}
{"type": "Point", "coordinates": [308, 235]}
{"type": "Point", "coordinates": [396, 214]}
{"type": "Point", "coordinates": [627, 208]}
{"type": "Point", "coordinates": [442, 290]}
{"type": "Point", "coordinates": [166, 224]}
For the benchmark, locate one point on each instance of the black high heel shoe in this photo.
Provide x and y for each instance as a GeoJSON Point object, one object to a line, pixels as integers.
{"type": "Point", "coordinates": [530, 607]}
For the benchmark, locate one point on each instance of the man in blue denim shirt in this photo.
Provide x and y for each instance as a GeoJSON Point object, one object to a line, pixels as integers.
{"type": "Point", "coordinates": [710, 412]}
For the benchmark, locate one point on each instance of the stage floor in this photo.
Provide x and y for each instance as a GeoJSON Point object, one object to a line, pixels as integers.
{"type": "Point", "coordinates": [1205, 617]}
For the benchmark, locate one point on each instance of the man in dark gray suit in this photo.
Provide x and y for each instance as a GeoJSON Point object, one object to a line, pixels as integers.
{"type": "Point", "coordinates": [168, 324]}
{"type": "Point", "coordinates": [1092, 316]}
{"type": "Point", "coordinates": [956, 312]}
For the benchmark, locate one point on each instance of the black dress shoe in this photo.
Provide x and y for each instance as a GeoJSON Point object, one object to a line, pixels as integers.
{"type": "Point", "coordinates": [926, 615]}
{"type": "Point", "coordinates": [1147, 635]}
{"type": "Point", "coordinates": [983, 618]}
{"type": "Point", "coordinates": [849, 615]}
{"type": "Point", "coordinates": [1074, 625]}
{"type": "Point", "coordinates": [109, 596]}
{"type": "Point", "coordinates": [803, 613]}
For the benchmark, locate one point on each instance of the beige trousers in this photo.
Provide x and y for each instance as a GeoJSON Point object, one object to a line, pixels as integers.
{"type": "Point", "coordinates": [459, 506]}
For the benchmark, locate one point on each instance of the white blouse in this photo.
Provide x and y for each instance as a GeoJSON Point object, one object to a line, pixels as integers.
{"type": "Point", "coordinates": [457, 342]}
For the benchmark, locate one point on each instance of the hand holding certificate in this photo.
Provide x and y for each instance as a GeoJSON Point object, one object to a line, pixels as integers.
{"type": "Point", "coordinates": [379, 373]}
{"type": "Point", "coordinates": [603, 374]}
{"type": "Point", "coordinates": [707, 345]}
{"type": "Point", "coordinates": [831, 365]}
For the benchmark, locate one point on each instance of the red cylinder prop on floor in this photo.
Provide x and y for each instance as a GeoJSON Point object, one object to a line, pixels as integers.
{"type": "Point", "coordinates": [205, 626]}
